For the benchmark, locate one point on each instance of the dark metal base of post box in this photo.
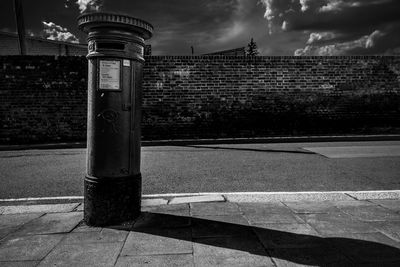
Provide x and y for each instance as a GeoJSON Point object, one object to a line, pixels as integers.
{"type": "Point", "coordinates": [110, 201]}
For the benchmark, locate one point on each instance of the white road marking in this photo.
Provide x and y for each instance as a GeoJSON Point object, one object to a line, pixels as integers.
{"type": "Point", "coordinates": [378, 193]}
{"type": "Point", "coordinates": [41, 199]}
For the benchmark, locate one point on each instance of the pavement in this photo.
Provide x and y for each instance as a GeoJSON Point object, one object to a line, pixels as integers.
{"type": "Point", "coordinates": [297, 229]}
{"type": "Point", "coordinates": [258, 204]}
{"type": "Point", "coordinates": [264, 167]}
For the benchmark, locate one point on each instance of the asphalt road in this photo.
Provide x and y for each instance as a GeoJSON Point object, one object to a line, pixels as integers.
{"type": "Point", "coordinates": [215, 168]}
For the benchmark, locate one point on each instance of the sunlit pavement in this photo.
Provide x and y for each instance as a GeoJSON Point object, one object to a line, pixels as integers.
{"type": "Point", "coordinates": [212, 232]}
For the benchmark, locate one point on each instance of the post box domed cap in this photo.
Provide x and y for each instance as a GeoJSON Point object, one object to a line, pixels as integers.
{"type": "Point", "coordinates": [101, 19]}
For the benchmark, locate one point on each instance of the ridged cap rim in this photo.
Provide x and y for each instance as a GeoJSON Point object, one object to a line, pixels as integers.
{"type": "Point", "coordinates": [113, 18]}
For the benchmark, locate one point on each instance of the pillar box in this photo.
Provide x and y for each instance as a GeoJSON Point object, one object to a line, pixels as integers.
{"type": "Point", "coordinates": [113, 181]}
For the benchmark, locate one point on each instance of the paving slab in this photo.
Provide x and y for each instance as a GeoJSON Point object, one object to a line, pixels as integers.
{"type": "Point", "coordinates": [224, 257]}
{"type": "Point", "coordinates": [295, 228]}
{"type": "Point", "coordinates": [371, 213]}
{"type": "Point", "coordinates": [390, 229]}
{"type": "Point", "coordinates": [158, 242]}
{"type": "Point", "coordinates": [368, 247]}
{"type": "Point", "coordinates": [22, 209]}
{"type": "Point", "coordinates": [220, 226]}
{"type": "Point", "coordinates": [268, 213]}
{"type": "Point", "coordinates": [312, 207]}
{"type": "Point", "coordinates": [264, 209]}
{"type": "Point", "coordinates": [28, 248]}
{"type": "Point", "coordinates": [5, 231]}
{"type": "Point", "coordinates": [194, 199]}
{"type": "Point", "coordinates": [153, 202]}
{"type": "Point", "coordinates": [257, 218]}
{"type": "Point", "coordinates": [82, 227]}
{"type": "Point", "coordinates": [160, 220]}
{"type": "Point", "coordinates": [19, 263]}
{"type": "Point", "coordinates": [353, 203]}
{"type": "Point", "coordinates": [51, 223]}
{"type": "Point", "coordinates": [392, 204]}
{"type": "Point", "coordinates": [173, 260]}
{"type": "Point", "coordinates": [84, 254]}
{"type": "Point", "coordinates": [336, 223]}
{"type": "Point", "coordinates": [339, 233]}
{"type": "Point", "coordinates": [353, 239]}
{"type": "Point", "coordinates": [103, 236]}
{"type": "Point", "coordinates": [11, 223]}
{"type": "Point", "coordinates": [218, 209]}
{"type": "Point", "coordinates": [233, 251]}
{"type": "Point", "coordinates": [177, 209]}
{"type": "Point", "coordinates": [315, 256]}
{"type": "Point", "coordinates": [288, 236]}
{"type": "Point", "coordinates": [124, 226]}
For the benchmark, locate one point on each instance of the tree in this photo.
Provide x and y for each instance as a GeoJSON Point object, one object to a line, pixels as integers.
{"type": "Point", "coordinates": [252, 50]}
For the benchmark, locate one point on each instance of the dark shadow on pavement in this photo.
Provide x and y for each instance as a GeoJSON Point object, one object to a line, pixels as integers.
{"type": "Point", "coordinates": [255, 149]}
{"type": "Point", "coordinates": [283, 247]}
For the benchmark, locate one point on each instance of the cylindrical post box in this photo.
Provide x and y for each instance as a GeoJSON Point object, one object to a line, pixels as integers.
{"type": "Point", "coordinates": [113, 180]}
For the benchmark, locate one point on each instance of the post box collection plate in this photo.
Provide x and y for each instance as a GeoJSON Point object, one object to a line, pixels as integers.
{"type": "Point", "coordinates": [109, 74]}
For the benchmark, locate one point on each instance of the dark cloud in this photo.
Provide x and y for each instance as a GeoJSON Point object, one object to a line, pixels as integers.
{"type": "Point", "coordinates": [338, 27]}
{"type": "Point", "coordinates": [316, 26]}
{"type": "Point", "coordinates": [208, 25]}
{"type": "Point", "coordinates": [35, 12]}
{"type": "Point", "coordinates": [350, 19]}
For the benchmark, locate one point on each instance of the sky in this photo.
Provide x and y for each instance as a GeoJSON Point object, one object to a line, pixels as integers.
{"type": "Point", "coordinates": [279, 27]}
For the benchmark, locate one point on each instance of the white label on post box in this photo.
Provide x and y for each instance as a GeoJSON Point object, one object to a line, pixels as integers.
{"type": "Point", "coordinates": [127, 63]}
{"type": "Point", "coordinates": [110, 72]}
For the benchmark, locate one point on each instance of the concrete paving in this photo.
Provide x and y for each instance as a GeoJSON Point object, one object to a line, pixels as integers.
{"type": "Point", "coordinates": [208, 198]}
{"type": "Point", "coordinates": [273, 233]}
{"type": "Point", "coordinates": [38, 208]}
{"type": "Point", "coordinates": [281, 167]}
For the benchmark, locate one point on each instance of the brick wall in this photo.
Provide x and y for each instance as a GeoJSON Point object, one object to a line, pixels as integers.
{"type": "Point", "coordinates": [239, 96]}
{"type": "Point", "coordinates": [43, 99]}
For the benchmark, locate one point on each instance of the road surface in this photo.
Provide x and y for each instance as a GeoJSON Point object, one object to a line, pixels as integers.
{"type": "Point", "coordinates": [341, 166]}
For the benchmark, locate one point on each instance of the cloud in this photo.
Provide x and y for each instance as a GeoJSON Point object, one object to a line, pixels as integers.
{"type": "Point", "coordinates": [320, 36]}
{"type": "Point", "coordinates": [231, 32]}
{"type": "Point", "coordinates": [89, 5]}
{"type": "Point", "coordinates": [338, 5]}
{"type": "Point", "coordinates": [220, 4]}
{"type": "Point", "coordinates": [207, 25]}
{"type": "Point", "coordinates": [337, 26]}
{"type": "Point", "coordinates": [55, 32]}
{"type": "Point", "coordinates": [338, 49]}
{"type": "Point", "coordinates": [285, 26]}
{"type": "Point", "coordinates": [236, 23]}
{"type": "Point", "coordinates": [305, 4]}
{"type": "Point", "coordinates": [373, 38]}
